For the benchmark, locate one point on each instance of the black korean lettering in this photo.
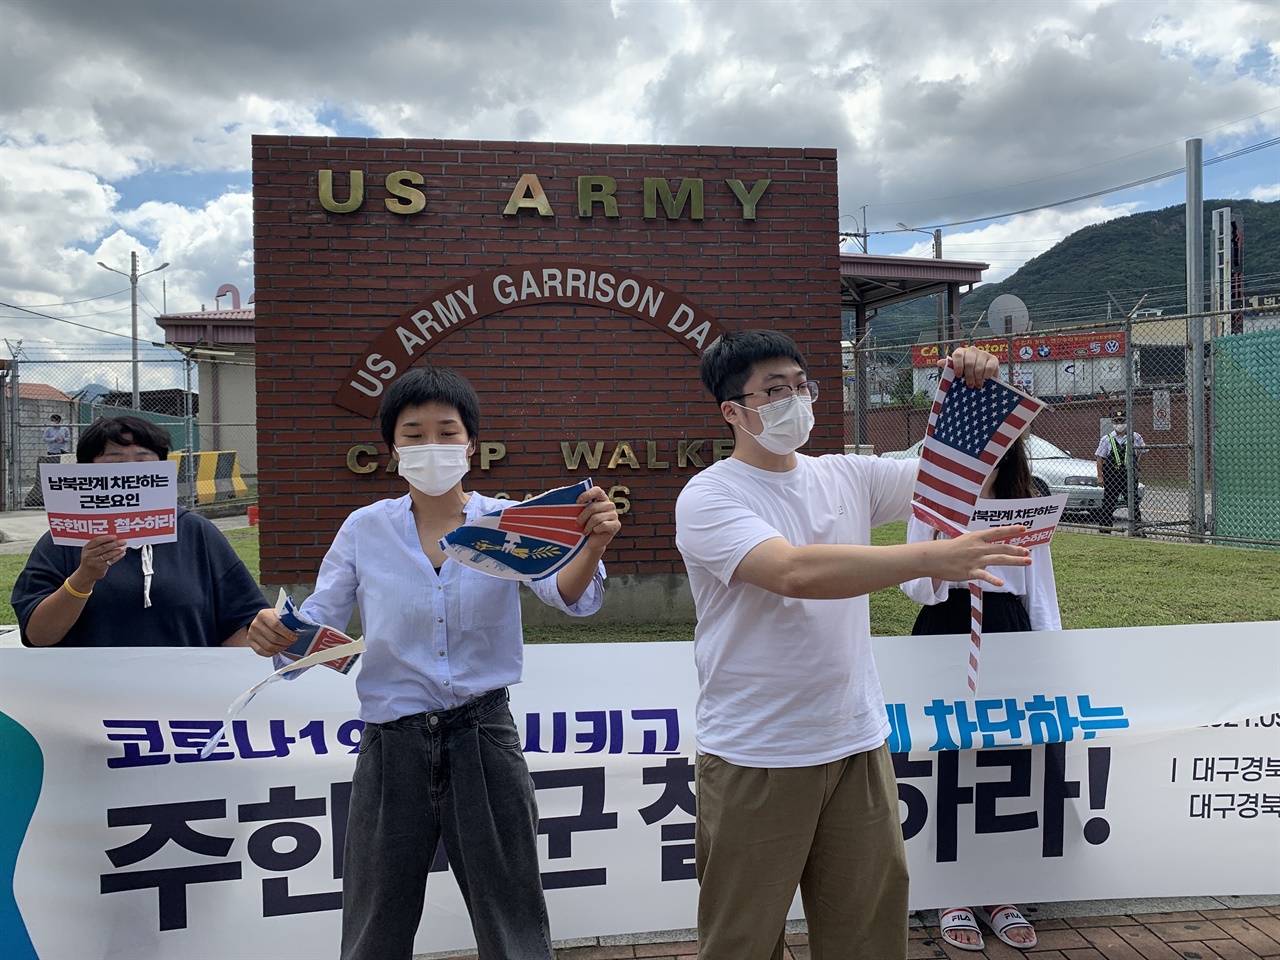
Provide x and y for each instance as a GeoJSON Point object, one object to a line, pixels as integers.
{"type": "Point", "coordinates": [950, 797]}
{"type": "Point", "coordinates": [679, 852]}
{"type": "Point", "coordinates": [533, 732]}
{"type": "Point", "coordinates": [560, 830]}
{"type": "Point", "coordinates": [671, 719]}
{"type": "Point", "coordinates": [676, 777]}
{"type": "Point", "coordinates": [279, 745]}
{"type": "Point", "coordinates": [987, 818]}
{"type": "Point", "coordinates": [283, 802]}
{"type": "Point", "coordinates": [141, 740]}
{"type": "Point", "coordinates": [1057, 791]}
{"type": "Point", "coordinates": [912, 797]}
{"type": "Point", "coordinates": [339, 808]}
{"type": "Point", "coordinates": [165, 822]}
{"type": "Point", "coordinates": [606, 730]}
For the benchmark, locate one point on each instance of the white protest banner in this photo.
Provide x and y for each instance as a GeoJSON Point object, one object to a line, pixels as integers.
{"type": "Point", "coordinates": [1111, 787]}
{"type": "Point", "coordinates": [137, 502]}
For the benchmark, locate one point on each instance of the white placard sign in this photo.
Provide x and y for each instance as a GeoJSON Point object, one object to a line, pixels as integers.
{"type": "Point", "coordinates": [137, 502]}
{"type": "Point", "coordinates": [1038, 514]}
{"type": "Point", "coordinates": [129, 846]}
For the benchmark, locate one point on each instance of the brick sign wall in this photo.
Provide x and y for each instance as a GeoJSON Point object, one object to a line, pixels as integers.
{"type": "Point", "coordinates": [575, 285]}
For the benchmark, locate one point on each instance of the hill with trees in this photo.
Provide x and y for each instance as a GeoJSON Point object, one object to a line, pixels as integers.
{"type": "Point", "coordinates": [1084, 276]}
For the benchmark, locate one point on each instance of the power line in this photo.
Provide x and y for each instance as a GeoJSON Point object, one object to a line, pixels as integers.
{"type": "Point", "coordinates": [71, 303]}
{"type": "Point", "coordinates": [1087, 166]}
{"type": "Point", "coordinates": [47, 316]}
{"type": "Point", "coordinates": [1253, 148]}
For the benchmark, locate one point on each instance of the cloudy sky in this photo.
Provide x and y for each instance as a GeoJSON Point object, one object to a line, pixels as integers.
{"type": "Point", "coordinates": [125, 124]}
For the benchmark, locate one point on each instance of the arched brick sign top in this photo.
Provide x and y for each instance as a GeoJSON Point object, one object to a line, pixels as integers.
{"type": "Point", "coordinates": [439, 315]}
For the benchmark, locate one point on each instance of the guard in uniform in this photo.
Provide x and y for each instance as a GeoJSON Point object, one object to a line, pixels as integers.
{"type": "Point", "coordinates": [1113, 469]}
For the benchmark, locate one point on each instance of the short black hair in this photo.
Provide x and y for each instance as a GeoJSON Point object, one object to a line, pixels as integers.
{"type": "Point", "coordinates": [124, 430]}
{"type": "Point", "coordinates": [726, 366]}
{"type": "Point", "coordinates": [429, 385]}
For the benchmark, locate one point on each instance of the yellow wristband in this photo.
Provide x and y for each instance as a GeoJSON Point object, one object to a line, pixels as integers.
{"type": "Point", "coordinates": [66, 585]}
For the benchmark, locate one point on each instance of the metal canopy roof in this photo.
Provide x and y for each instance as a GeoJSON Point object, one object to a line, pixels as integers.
{"type": "Point", "coordinates": [878, 281]}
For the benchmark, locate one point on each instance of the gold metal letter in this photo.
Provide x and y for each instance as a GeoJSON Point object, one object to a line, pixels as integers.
{"type": "Point", "coordinates": [690, 190]}
{"type": "Point", "coordinates": [354, 463]}
{"type": "Point", "coordinates": [652, 461]}
{"type": "Point", "coordinates": [623, 453]}
{"type": "Point", "coordinates": [528, 195]}
{"type": "Point", "coordinates": [597, 190]}
{"type": "Point", "coordinates": [415, 201]}
{"type": "Point", "coordinates": [748, 200]}
{"type": "Point", "coordinates": [353, 202]}
{"type": "Point", "coordinates": [491, 451]}
{"type": "Point", "coordinates": [618, 495]}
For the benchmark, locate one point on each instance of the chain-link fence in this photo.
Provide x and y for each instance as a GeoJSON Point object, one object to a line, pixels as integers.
{"type": "Point", "coordinates": [205, 402]}
{"type": "Point", "coordinates": [1206, 462]}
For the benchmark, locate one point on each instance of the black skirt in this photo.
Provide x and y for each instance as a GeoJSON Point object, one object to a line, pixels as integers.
{"type": "Point", "coordinates": [1001, 613]}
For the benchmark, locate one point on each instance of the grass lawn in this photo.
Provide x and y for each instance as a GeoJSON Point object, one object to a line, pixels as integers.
{"type": "Point", "coordinates": [1103, 581]}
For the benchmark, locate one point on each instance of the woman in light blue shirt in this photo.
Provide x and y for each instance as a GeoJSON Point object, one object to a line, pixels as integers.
{"type": "Point", "coordinates": [440, 757]}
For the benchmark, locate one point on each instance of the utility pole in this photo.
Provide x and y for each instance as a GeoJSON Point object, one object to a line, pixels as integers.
{"type": "Point", "coordinates": [133, 276]}
{"type": "Point", "coordinates": [1195, 329]}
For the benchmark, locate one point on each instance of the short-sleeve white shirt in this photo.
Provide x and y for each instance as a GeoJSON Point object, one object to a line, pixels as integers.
{"type": "Point", "coordinates": [1104, 445]}
{"type": "Point", "coordinates": [784, 682]}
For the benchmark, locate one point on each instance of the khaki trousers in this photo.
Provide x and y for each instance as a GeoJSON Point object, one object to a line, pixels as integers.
{"type": "Point", "coordinates": [832, 829]}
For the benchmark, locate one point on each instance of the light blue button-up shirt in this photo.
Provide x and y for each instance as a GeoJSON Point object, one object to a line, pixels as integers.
{"type": "Point", "coordinates": [433, 641]}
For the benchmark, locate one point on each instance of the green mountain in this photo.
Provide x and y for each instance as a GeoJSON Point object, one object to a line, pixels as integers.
{"type": "Point", "coordinates": [1141, 255]}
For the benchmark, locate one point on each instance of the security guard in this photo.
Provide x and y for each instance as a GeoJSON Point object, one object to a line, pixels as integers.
{"type": "Point", "coordinates": [1113, 466]}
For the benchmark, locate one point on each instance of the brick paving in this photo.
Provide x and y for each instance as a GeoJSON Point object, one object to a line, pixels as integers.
{"type": "Point", "coordinates": [1247, 933]}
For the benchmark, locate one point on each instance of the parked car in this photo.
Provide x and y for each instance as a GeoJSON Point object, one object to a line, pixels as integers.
{"type": "Point", "coordinates": [1053, 471]}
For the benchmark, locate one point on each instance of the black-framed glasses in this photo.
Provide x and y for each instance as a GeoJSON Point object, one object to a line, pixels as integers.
{"type": "Point", "coordinates": [783, 390]}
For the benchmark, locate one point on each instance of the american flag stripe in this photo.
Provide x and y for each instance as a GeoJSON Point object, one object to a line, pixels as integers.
{"type": "Point", "coordinates": [942, 510]}
{"type": "Point", "coordinates": [975, 634]}
{"type": "Point", "coordinates": [956, 466]}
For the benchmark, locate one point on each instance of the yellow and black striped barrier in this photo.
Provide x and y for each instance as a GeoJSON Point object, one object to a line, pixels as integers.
{"type": "Point", "coordinates": [208, 476]}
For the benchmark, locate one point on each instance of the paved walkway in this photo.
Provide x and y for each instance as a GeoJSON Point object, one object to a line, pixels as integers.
{"type": "Point", "coordinates": [1242, 933]}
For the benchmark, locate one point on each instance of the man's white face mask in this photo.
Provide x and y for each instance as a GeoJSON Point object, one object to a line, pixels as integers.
{"type": "Point", "coordinates": [433, 468]}
{"type": "Point", "coordinates": [786, 423]}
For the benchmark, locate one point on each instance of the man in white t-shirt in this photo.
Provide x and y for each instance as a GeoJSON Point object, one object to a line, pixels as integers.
{"type": "Point", "coordinates": [795, 784]}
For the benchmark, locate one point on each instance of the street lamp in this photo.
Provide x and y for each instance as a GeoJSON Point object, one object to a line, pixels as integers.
{"type": "Point", "coordinates": [861, 234]}
{"type": "Point", "coordinates": [133, 276]}
{"type": "Point", "coordinates": [936, 234]}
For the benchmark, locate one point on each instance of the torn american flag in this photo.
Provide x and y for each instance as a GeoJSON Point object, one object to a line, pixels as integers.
{"type": "Point", "coordinates": [969, 430]}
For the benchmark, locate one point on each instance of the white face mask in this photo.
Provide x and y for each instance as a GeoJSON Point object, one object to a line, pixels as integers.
{"type": "Point", "coordinates": [433, 468]}
{"type": "Point", "coordinates": [787, 424]}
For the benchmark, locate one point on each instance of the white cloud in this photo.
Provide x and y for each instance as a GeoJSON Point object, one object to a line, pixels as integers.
{"type": "Point", "coordinates": [940, 109]}
{"type": "Point", "coordinates": [1265, 192]}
